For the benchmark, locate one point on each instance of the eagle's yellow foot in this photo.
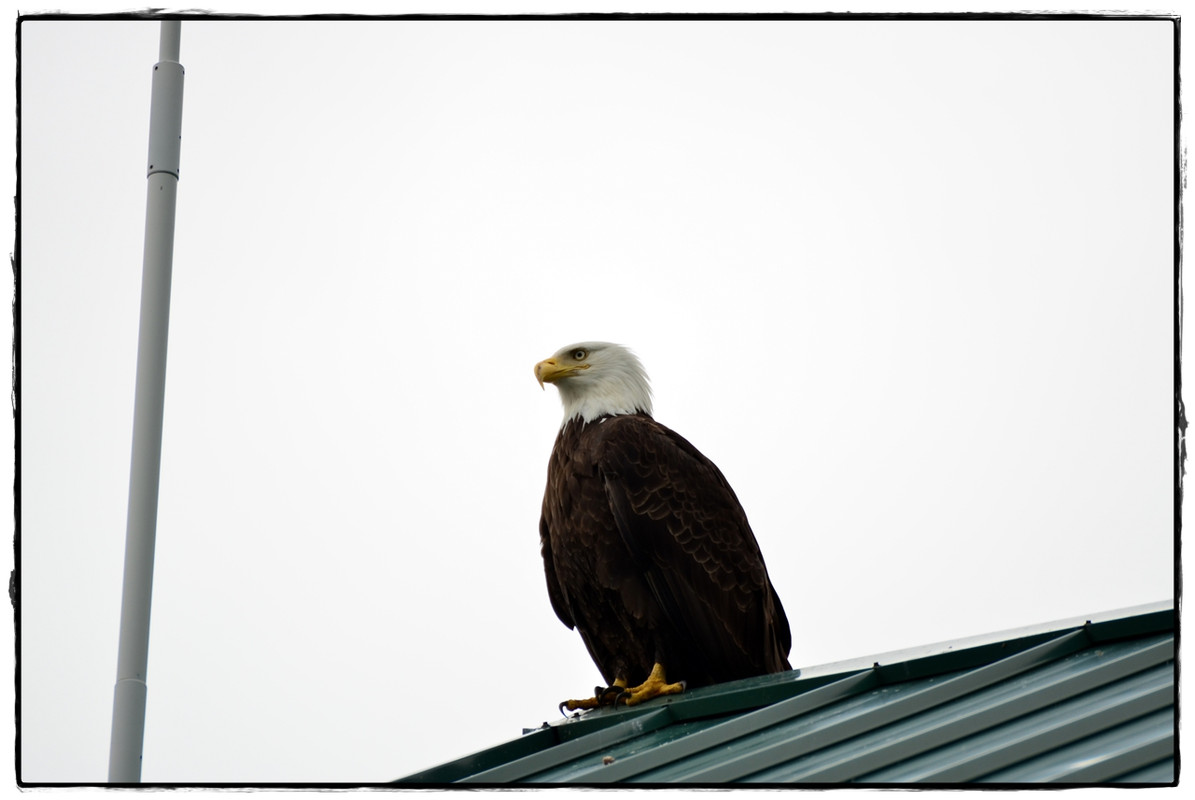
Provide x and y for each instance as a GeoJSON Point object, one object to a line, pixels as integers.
{"type": "Point", "coordinates": [656, 685]}
{"type": "Point", "coordinates": [601, 697]}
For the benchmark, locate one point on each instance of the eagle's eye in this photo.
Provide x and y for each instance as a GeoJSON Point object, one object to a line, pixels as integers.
{"type": "Point", "coordinates": [579, 355]}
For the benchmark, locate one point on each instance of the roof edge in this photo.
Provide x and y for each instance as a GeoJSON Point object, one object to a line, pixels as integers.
{"type": "Point", "coordinates": [1099, 620]}
{"type": "Point", "coordinates": [738, 696]}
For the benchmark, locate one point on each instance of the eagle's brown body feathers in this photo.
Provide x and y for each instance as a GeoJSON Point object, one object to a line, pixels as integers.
{"type": "Point", "coordinates": [649, 555]}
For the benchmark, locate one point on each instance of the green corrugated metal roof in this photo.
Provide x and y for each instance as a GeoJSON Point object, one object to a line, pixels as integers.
{"type": "Point", "coordinates": [1092, 701]}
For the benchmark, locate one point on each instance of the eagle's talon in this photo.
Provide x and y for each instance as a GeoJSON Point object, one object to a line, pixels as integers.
{"type": "Point", "coordinates": [580, 705]}
{"type": "Point", "coordinates": [609, 695]}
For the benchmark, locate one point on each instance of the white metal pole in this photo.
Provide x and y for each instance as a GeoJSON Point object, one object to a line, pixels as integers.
{"type": "Point", "coordinates": [165, 132]}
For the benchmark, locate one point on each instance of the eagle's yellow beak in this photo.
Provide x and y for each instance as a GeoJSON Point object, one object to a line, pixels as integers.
{"type": "Point", "coordinates": [550, 371]}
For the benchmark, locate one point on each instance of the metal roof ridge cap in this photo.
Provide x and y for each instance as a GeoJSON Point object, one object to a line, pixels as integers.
{"type": "Point", "coordinates": [779, 686]}
{"type": "Point", "coordinates": [1060, 646]}
{"type": "Point", "coordinates": [981, 640]}
{"type": "Point", "coordinates": [449, 771]}
{"type": "Point", "coordinates": [749, 723]}
{"type": "Point", "coordinates": [576, 748]}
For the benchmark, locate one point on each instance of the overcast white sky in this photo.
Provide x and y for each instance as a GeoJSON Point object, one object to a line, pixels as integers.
{"type": "Point", "coordinates": [910, 284]}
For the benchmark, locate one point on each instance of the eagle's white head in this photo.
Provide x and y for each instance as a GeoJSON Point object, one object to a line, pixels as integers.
{"type": "Point", "coordinates": [596, 379]}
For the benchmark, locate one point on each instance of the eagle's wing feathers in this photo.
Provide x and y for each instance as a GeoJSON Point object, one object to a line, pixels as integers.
{"type": "Point", "coordinates": [555, 593]}
{"type": "Point", "coordinates": [687, 531]}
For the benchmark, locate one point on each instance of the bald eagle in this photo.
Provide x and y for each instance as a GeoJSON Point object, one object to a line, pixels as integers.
{"type": "Point", "coordinates": [647, 552]}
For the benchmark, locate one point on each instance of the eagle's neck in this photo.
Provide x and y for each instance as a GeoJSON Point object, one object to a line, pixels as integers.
{"type": "Point", "coordinates": [618, 392]}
